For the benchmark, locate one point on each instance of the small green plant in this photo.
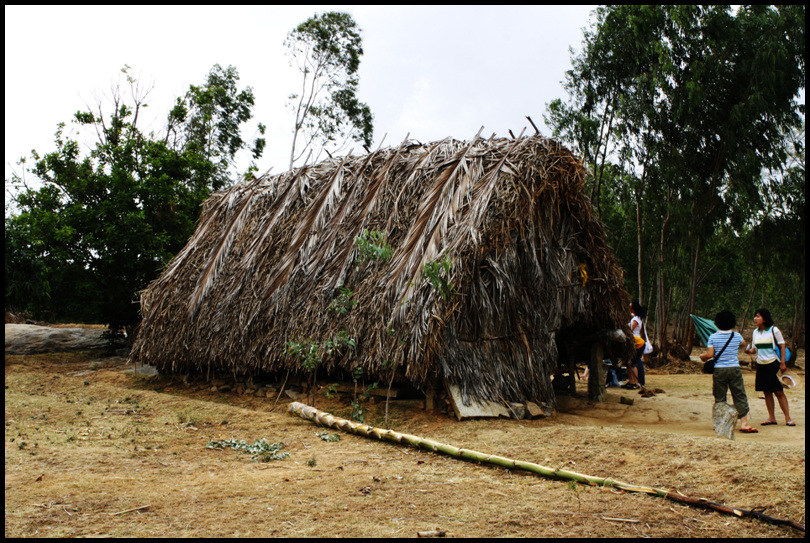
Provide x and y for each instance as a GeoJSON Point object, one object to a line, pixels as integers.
{"type": "Point", "coordinates": [312, 354]}
{"type": "Point", "coordinates": [331, 390]}
{"type": "Point", "coordinates": [326, 437]}
{"type": "Point", "coordinates": [372, 246]}
{"type": "Point", "coordinates": [307, 350]}
{"type": "Point", "coordinates": [358, 413]}
{"type": "Point", "coordinates": [342, 340]}
{"type": "Point", "coordinates": [574, 487]}
{"type": "Point", "coordinates": [261, 450]}
{"type": "Point", "coordinates": [438, 273]}
{"type": "Point", "coordinates": [312, 462]}
{"type": "Point", "coordinates": [343, 302]}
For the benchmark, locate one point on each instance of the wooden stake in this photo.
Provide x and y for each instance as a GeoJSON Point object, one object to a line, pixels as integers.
{"type": "Point", "coordinates": [131, 510]}
{"type": "Point", "coordinates": [531, 121]}
{"type": "Point", "coordinates": [327, 419]}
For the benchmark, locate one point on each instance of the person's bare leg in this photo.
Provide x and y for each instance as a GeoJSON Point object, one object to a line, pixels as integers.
{"type": "Point", "coordinates": [783, 403]}
{"type": "Point", "coordinates": [769, 406]}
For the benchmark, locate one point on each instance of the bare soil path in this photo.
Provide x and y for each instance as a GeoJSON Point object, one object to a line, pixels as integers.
{"type": "Point", "coordinates": [685, 408]}
{"type": "Point", "coordinates": [91, 450]}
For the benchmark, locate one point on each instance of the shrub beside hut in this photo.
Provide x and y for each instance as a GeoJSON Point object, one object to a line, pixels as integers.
{"type": "Point", "coordinates": [479, 265]}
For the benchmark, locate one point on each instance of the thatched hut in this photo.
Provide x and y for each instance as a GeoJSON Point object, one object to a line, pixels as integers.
{"type": "Point", "coordinates": [465, 263]}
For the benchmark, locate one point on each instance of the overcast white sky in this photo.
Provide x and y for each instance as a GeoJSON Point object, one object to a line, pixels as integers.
{"type": "Point", "coordinates": [432, 71]}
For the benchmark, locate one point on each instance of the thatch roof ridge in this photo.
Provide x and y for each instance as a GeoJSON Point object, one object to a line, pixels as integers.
{"type": "Point", "coordinates": [269, 256]}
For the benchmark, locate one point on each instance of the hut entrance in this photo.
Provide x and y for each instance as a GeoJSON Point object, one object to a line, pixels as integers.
{"type": "Point", "coordinates": [580, 350]}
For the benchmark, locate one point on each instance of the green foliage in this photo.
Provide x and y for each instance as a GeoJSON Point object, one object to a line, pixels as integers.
{"type": "Point", "coordinates": [339, 342]}
{"type": "Point", "coordinates": [327, 437]}
{"type": "Point", "coordinates": [438, 273]}
{"type": "Point", "coordinates": [357, 410]}
{"type": "Point", "coordinates": [308, 351]}
{"type": "Point", "coordinates": [327, 49]}
{"type": "Point", "coordinates": [261, 450]}
{"type": "Point", "coordinates": [312, 353]}
{"type": "Point", "coordinates": [682, 113]}
{"type": "Point", "coordinates": [101, 226]}
{"type": "Point", "coordinates": [331, 390]}
{"type": "Point", "coordinates": [207, 122]}
{"type": "Point", "coordinates": [343, 302]}
{"type": "Point", "coordinates": [372, 246]}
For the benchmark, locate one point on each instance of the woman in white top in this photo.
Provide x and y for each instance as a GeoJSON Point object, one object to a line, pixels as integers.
{"type": "Point", "coordinates": [769, 346]}
{"type": "Point", "coordinates": [636, 375]}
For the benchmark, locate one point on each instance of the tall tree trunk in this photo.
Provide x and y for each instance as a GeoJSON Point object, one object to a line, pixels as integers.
{"type": "Point", "coordinates": [638, 240]}
{"type": "Point", "coordinates": [597, 171]}
{"type": "Point", "coordinates": [797, 332]}
{"type": "Point", "coordinates": [689, 336]}
{"type": "Point", "coordinates": [661, 307]}
{"type": "Point", "coordinates": [750, 299]}
{"type": "Point", "coordinates": [602, 168]}
{"type": "Point", "coordinates": [638, 192]}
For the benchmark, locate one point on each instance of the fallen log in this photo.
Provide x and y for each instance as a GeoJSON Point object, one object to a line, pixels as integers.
{"type": "Point", "coordinates": [327, 419]}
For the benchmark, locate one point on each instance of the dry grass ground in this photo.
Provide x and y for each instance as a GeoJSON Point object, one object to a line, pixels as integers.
{"type": "Point", "coordinates": [93, 451]}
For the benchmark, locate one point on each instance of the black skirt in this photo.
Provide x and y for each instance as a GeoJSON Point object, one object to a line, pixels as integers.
{"type": "Point", "coordinates": [767, 380]}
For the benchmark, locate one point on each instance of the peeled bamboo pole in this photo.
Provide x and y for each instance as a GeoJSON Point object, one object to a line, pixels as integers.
{"type": "Point", "coordinates": [327, 419]}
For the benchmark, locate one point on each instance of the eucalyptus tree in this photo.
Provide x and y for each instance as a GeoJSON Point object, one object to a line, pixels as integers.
{"type": "Point", "coordinates": [697, 100]}
{"type": "Point", "coordinates": [732, 95]}
{"type": "Point", "coordinates": [775, 245]}
{"type": "Point", "coordinates": [208, 121]}
{"type": "Point", "coordinates": [327, 48]}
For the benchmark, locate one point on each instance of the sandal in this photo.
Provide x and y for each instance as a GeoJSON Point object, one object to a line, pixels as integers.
{"type": "Point", "coordinates": [749, 430]}
{"type": "Point", "coordinates": [790, 423]}
{"type": "Point", "coordinates": [768, 423]}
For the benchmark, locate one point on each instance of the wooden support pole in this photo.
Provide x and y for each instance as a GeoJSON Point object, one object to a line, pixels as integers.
{"type": "Point", "coordinates": [596, 373]}
{"type": "Point", "coordinates": [572, 372]}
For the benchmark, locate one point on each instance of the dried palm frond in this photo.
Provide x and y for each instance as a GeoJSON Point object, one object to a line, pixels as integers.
{"type": "Point", "coordinates": [509, 217]}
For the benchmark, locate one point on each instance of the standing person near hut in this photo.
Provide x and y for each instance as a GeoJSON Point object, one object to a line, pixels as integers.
{"type": "Point", "coordinates": [635, 374]}
{"type": "Point", "coordinates": [769, 345]}
{"type": "Point", "coordinates": [727, 374]}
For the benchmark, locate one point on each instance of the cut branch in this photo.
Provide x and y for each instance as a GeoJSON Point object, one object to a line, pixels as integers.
{"type": "Point", "coordinates": [327, 419]}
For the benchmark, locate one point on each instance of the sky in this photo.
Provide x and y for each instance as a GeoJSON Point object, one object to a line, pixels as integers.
{"type": "Point", "coordinates": [427, 71]}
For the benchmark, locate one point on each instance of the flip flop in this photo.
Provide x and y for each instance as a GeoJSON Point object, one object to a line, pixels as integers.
{"type": "Point", "coordinates": [768, 423]}
{"type": "Point", "coordinates": [749, 430]}
{"type": "Point", "coordinates": [791, 423]}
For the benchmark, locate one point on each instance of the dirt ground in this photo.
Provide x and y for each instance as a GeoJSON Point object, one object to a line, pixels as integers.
{"type": "Point", "coordinates": [91, 450]}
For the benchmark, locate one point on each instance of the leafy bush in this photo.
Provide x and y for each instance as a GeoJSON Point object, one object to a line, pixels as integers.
{"type": "Point", "coordinates": [343, 302]}
{"type": "Point", "coordinates": [372, 246]}
{"type": "Point", "coordinates": [438, 273]}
